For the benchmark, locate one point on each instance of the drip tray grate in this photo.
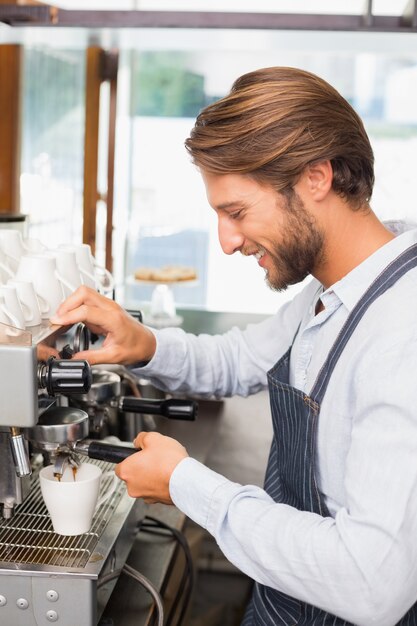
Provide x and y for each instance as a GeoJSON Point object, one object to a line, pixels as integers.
{"type": "Point", "coordinates": [29, 537]}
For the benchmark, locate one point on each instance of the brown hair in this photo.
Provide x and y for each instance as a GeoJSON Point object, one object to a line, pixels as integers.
{"type": "Point", "coordinates": [275, 122]}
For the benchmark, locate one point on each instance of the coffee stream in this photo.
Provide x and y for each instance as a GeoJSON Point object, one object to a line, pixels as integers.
{"type": "Point", "coordinates": [74, 473]}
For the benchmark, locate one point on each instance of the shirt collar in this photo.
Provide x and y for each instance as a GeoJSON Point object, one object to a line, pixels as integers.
{"type": "Point", "coordinates": [351, 287]}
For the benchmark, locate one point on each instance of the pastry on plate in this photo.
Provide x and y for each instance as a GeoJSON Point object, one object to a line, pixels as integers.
{"type": "Point", "coordinates": [166, 274]}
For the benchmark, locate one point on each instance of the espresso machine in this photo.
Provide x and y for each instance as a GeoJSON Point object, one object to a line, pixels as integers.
{"type": "Point", "coordinates": [56, 411]}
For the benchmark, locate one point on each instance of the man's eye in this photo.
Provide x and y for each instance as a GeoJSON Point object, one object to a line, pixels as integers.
{"type": "Point", "coordinates": [235, 215]}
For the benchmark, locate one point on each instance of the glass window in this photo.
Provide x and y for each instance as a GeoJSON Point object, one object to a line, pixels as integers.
{"type": "Point", "coordinates": [53, 143]}
{"type": "Point", "coordinates": [170, 220]}
{"type": "Point", "coordinates": [166, 76]}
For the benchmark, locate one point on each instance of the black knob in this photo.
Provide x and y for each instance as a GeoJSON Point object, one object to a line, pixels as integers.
{"type": "Point", "coordinates": [65, 376]}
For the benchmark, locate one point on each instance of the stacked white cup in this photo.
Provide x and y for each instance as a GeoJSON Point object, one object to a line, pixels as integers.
{"type": "Point", "coordinates": [34, 279]}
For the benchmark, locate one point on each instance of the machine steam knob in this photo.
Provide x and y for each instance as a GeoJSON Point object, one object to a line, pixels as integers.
{"type": "Point", "coordinates": [65, 376]}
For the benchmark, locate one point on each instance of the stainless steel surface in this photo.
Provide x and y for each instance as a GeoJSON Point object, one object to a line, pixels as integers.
{"type": "Point", "coordinates": [13, 489]}
{"type": "Point", "coordinates": [105, 386]}
{"type": "Point", "coordinates": [29, 538]}
{"type": "Point", "coordinates": [60, 425]}
{"type": "Point", "coordinates": [19, 353]}
{"type": "Point", "coordinates": [21, 403]}
{"type": "Point", "coordinates": [81, 338]}
{"type": "Point", "coordinates": [45, 577]}
{"type": "Point", "coordinates": [58, 573]}
{"type": "Point", "coordinates": [82, 447]}
{"type": "Point", "coordinates": [20, 453]}
{"type": "Point", "coordinates": [62, 460]}
{"type": "Point", "coordinates": [17, 364]}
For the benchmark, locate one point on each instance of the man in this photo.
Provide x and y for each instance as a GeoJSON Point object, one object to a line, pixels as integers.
{"type": "Point", "coordinates": [332, 539]}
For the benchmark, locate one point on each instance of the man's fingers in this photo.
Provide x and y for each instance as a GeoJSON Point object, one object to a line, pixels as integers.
{"type": "Point", "coordinates": [96, 356]}
{"type": "Point", "coordinates": [84, 295]}
{"type": "Point", "coordinates": [140, 440]}
{"type": "Point", "coordinates": [91, 315]}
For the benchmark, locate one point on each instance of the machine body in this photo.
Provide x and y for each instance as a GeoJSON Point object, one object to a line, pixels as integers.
{"type": "Point", "coordinates": [58, 411]}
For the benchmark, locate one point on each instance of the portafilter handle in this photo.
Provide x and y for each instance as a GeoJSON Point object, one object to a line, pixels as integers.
{"type": "Point", "coordinates": [172, 408]}
{"type": "Point", "coordinates": [103, 451]}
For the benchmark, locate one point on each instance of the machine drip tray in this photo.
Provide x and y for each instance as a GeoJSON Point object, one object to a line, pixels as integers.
{"type": "Point", "coordinates": [56, 577]}
{"type": "Point", "coordinates": [28, 538]}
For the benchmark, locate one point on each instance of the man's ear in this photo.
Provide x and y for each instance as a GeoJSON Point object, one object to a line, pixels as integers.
{"type": "Point", "coordinates": [319, 178]}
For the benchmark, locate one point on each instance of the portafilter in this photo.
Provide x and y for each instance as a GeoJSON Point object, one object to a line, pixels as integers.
{"type": "Point", "coordinates": [61, 431]}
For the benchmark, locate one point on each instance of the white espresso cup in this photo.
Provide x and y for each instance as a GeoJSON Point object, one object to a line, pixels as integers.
{"type": "Point", "coordinates": [72, 501]}
{"type": "Point", "coordinates": [68, 269]}
{"type": "Point", "coordinates": [41, 270]}
{"type": "Point", "coordinates": [29, 301]}
{"type": "Point", "coordinates": [33, 245]}
{"type": "Point", "coordinates": [11, 306]}
{"type": "Point", "coordinates": [92, 274]}
{"type": "Point", "coordinates": [12, 246]}
{"type": "Point", "coordinates": [5, 271]}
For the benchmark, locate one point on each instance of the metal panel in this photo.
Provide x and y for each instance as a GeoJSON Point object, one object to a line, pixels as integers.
{"type": "Point", "coordinates": [18, 386]}
{"type": "Point", "coordinates": [29, 538]}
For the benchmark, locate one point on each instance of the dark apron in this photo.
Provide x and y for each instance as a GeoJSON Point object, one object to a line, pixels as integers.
{"type": "Point", "coordinates": [291, 472]}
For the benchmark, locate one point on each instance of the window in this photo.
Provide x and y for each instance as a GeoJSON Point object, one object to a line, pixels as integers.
{"type": "Point", "coordinates": [170, 219]}
{"type": "Point", "coordinates": [166, 76]}
{"type": "Point", "coordinates": [53, 143]}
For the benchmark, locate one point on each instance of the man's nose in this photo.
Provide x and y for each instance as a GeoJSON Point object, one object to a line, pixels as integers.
{"type": "Point", "coordinates": [230, 237]}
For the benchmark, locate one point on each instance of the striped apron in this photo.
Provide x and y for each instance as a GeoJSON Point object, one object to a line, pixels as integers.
{"type": "Point", "coordinates": [291, 473]}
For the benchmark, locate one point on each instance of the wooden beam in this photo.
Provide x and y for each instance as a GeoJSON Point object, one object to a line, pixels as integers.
{"type": "Point", "coordinates": [22, 2]}
{"type": "Point", "coordinates": [10, 125]}
{"type": "Point", "coordinates": [27, 12]}
{"type": "Point", "coordinates": [91, 139]}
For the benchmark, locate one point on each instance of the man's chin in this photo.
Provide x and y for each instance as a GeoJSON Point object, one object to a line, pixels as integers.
{"type": "Point", "coordinates": [274, 284]}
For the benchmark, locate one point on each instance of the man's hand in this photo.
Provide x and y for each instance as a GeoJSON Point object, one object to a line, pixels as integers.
{"type": "Point", "coordinates": [147, 473]}
{"type": "Point", "coordinates": [126, 340]}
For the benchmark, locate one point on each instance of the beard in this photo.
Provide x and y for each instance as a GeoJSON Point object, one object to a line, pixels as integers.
{"type": "Point", "coordinates": [300, 249]}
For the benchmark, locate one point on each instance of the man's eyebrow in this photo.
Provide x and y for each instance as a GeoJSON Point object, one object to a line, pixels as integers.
{"type": "Point", "coordinates": [228, 205]}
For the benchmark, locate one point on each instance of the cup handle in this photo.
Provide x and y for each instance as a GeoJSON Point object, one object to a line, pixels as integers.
{"type": "Point", "coordinates": [108, 275]}
{"type": "Point", "coordinates": [64, 282]}
{"type": "Point", "coordinates": [12, 256]}
{"type": "Point", "coordinates": [27, 311]}
{"type": "Point", "coordinates": [7, 270]}
{"type": "Point", "coordinates": [110, 489]}
{"type": "Point", "coordinates": [88, 275]}
{"type": "Point", "coordinates": [43, 304]}
{"type": "Point", "coordinates": [11, 317]}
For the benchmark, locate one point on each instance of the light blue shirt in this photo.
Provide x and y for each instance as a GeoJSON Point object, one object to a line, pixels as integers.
{"type": "Point", "coordinates": [360, 563]}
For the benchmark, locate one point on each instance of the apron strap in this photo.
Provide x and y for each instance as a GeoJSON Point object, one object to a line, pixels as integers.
{"type": "Point", "coordinates": [388, 277]}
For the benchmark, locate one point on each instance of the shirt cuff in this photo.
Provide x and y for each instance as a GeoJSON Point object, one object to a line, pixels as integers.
{"type": "Point", "coordinates": [168, 353]}
{"type": "Point", "coordinates": [192, 487]}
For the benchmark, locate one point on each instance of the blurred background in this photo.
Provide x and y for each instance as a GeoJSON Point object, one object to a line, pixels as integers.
{"type": "Point", "coordinates": [165, 75]}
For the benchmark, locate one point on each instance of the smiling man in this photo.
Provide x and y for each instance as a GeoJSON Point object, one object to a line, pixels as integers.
{"type": "Point", "coordinates": [331, 539]}
{"type": "Point", "coordinates": [249, 214]}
